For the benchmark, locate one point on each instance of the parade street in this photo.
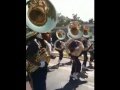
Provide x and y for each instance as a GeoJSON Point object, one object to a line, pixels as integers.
{"type": "Point", "coordinates": [58, 79]}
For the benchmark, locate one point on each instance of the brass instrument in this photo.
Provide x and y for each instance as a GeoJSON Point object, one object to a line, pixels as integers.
{"type": "Point", "coordinates": [74, 33]}
{"type": "Point", "coordinates": [69, 36]}
{"type": "Point", "coordinates": [86, 32]}
{"type": "Point", "coordinates": [43, 54]}
{"type": "Point", "coordinates": [62, 44]}
{"type": "Point", "coordinates": [61, 36]}
{"type": "Point", "coordinates": [77, 51]}
{"type": "Point", "coordinates": [92, 38]}
{"type": "Point", "coordinates": [74, 30]}
{"type": "Point", "coordinates": [91, 43]}
{"type": "Point", "coordinates": [40, 15]}
{"type": "Point", "coordinates": [30, 34]}
{"type": "Point", "coordinates": [41, 18]}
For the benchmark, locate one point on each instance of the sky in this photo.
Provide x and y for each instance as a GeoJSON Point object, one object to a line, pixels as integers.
{"type": "Point", "coordinates": [83, 8]}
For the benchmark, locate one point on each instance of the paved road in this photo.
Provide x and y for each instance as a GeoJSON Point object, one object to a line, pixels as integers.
{"type": "Point", "coordinates": [66, 55]}
{"type": "Point", "coordinates": [58, 79]}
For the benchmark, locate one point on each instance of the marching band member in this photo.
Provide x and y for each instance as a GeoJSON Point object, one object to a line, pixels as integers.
{"type": "Point", "coordinates": [47, 37]}
{"type": "Point", "coordinates": [39, 19]}
{"type": "Point", "coordinates": [59, 47]}
{"type": "Point", "coordinates": [91, 51]}
{"type": "Point", "coordinates": [75, 49]}
{"type": "Point", "coordinates": [37, 70]}
{"type": "Point", "coordinates": [85, 41]}
{"type": "Point", "coordinates": [28, 79]}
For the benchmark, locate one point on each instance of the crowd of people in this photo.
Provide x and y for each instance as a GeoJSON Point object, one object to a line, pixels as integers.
{"type": "Point", "coordinates": [39, 42]}
{"type": "Point", "coordinates": [41, 18]}
{"type": "Point", "coordinates": [85, 48]}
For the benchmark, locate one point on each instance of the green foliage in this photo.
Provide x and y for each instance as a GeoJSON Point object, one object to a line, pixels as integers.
{"type": "Point", "coordinates": [63, 21]}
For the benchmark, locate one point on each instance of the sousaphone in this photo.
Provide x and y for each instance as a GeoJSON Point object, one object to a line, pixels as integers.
{"type": "Point", "coordinates": [61, 36]}
{"type": "Point", "coordinates": [68, 36]}
{"type": "Point", "coordinates": [74, 45]}
{"type": "Point", "coordinates": [40, 15]}
{"type": "Point", "coordinates": [74, 30]}
{"type": "Point", "coordinates": [41, 18]}
{"type": "Point", "coordinates": [92, 43]}
{"type": "Point", "coordinates": [92, 38]}
{"type": "Point", "coordinates": [86, 32]}
{"type": "Point", "coordinates": [74, 33]}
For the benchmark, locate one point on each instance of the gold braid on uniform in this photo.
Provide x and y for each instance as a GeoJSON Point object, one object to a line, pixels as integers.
{"type": "Point", "coordinates": [43, 54]}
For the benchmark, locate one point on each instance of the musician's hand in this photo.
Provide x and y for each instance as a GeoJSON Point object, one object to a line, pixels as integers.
{"type": "Point", "coordinates": [43, 54]}
{"type": "Point", "coordinates": [42, 64]}
{"type": "Point", "coordinates": [42, 51]}
{"type": "Point", "coordinates": [77, 48]}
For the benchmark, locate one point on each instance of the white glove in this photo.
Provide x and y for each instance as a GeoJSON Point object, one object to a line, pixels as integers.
{"type": "Point", "coordinates": [52, 52]}
{"type": "Point", "coordinates": [42, 64]}
{"type": "Point", "coordinates": [77, 48]}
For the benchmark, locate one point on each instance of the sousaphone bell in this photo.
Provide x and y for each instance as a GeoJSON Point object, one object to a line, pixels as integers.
{"type": "Point", "coordinates": [74, 30]}
{"type": "Point", "coordinates": [60, 34]}
{"type": "Point", "coordinates": [74, 46]}
{"type": "Point", "coordinates": [86, 32]}
{"type": "Point", "coordinates": [68, 36]}
{"type": "Point", "coordinates": [40, 15]}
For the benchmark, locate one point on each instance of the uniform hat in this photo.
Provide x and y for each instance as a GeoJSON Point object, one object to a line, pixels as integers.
{"type": "Point", "coordinates": [30, 36]}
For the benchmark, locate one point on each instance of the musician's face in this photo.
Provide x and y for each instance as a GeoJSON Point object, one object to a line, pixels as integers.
{"type": "Point", "coordinates": [46, 36]}
{"type": "Point", "coordinates": [74, 24]}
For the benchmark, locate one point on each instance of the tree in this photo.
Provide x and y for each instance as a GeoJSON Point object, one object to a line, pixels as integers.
{"type": "Point", "coordinates": [91, 20]}
{"type": "Point", "coordinates": [64, 20]}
